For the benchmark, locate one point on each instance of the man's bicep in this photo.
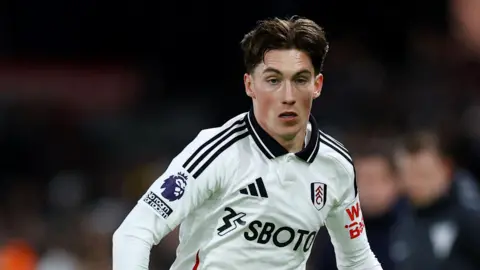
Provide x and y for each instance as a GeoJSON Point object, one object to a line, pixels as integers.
{"type": "Point", "coordinates": [347, 232]}
{"type": "Point", "coordinates": [174, 196]}
{"type": "Point", "coordinates": [180, 189]}
{"type": "Point", "coordinates": [345, 222]}
{"type": "Point", "coordinates": [346, 227]}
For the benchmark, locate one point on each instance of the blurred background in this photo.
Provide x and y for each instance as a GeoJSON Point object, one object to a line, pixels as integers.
{"type": "Point", "coordinates": [97, 96]}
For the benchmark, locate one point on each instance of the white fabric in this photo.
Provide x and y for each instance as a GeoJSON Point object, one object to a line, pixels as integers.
{"type": "Point", "coordinates": [246, 211]}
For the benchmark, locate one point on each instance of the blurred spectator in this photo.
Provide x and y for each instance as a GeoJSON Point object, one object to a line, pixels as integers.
{"type": "Point", "coordinates": [17, 255]}
{"type": "Point", "coordinates": [465, 24]}
{"type": "Point", "coordinates": [58, 259]}
{"type": "Point", "coordinates": [379, 197]}
{"type": "Point", "coordinates": [440, 232]}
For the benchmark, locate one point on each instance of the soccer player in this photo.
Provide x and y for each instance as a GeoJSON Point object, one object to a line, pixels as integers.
{"type": "Point", "coordinates": [253, 193]}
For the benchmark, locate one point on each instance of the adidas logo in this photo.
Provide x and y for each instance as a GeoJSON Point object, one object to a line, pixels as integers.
{"type": "Point", "coordinates": [256, 189]}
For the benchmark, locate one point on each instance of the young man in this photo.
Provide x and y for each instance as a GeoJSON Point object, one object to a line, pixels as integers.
{"type": "Point", "coordinates": [441, 231]}
{"type": "Point", "coordinates": [253, 193]}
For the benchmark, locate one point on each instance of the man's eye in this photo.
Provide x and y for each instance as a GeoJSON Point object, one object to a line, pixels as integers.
{"type": "Point", "coordinates": [273, 81]}
{"type": "Point", "coordinates": [301, 81]}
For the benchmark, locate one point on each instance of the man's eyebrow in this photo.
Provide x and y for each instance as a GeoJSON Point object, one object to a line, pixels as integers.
{"type": "Point", "coordinates": [269, 69]}
{"type": "Point", "coordinates": [273, 70]}
{"type": "Point", "coordinates": [302, 72]}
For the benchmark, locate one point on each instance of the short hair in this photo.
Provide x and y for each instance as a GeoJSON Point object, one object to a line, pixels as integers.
{"type": "Point", "coordinates": [378, 148]}
{"type": "Point", "coordinates": [424, 140]}
{"type": "Point", "coordinates": [283, 34]}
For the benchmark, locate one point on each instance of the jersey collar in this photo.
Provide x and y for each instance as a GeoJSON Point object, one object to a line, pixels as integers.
{"type": "Point", "coordinates": [272, 149]}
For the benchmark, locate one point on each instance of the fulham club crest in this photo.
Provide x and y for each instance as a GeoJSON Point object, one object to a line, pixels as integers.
{"type": "Point", "coordinates": [318, 194]}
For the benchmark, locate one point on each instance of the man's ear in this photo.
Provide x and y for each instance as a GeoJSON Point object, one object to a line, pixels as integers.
{"type": "Point", "coordinates": [318, 86]}
{"type": "Point", "coordinates": [248, 81]}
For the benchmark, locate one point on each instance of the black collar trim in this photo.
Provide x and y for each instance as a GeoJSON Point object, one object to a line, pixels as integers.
{"type": "Point", "coordinates": [272, 149]}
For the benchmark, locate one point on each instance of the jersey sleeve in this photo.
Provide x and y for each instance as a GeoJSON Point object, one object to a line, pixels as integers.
{"type": "Point", "coordinates": [190, 179]}
{"type": "Point", "coordinates": [346, 227]}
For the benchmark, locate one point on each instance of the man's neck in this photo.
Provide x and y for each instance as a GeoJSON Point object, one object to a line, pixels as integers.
{"type": "Point", "coordinates": [294, 143]}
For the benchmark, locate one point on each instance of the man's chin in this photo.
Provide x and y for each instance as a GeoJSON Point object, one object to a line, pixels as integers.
{"type": "Point", "coordinates": [289, 132]}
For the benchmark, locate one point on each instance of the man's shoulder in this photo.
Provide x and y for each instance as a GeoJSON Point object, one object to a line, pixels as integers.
{"type": "Point", "coordinates": [336, 156]}
{"type": "Point", "coordinates": [334, 151]}
{"type": "Point", "coordinates": [212, 143]}
{"type": "Point", "coordinates": [231, 128]}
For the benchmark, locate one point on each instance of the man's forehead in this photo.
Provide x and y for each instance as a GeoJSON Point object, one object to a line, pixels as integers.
{"type": "Point", "coordinates": [285, 61]}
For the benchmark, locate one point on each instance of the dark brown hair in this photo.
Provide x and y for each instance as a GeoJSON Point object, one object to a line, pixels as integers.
{"type": "Point", "coordinates": [380, 148]}
{"type": "Point", "coordinates": [421, 140]}
{"type": "Point", "coordinates": [277, 34]}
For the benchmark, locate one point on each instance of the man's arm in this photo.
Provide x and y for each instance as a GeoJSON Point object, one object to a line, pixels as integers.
{"type": "Point", "coordinates": [133, 240]}
{"type": "Point", "coordinates": [190, 179]}
{"type": "Point", "coordinates": [346, 227]}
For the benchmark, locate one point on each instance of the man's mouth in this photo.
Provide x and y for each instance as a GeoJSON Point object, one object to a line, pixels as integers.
{"type": "Point", "coordinates": [288, 115]}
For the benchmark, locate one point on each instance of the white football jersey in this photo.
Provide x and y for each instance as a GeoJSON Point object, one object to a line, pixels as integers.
{"type": "Point", "coordinates": [244, 202]}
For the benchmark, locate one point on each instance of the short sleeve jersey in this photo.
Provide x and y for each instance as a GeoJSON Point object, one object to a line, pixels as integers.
{"type": "Point", "coordinates": [244, 202]}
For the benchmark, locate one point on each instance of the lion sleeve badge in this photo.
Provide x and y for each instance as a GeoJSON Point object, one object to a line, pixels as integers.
{"type": "Point", "coordinates": [174, 186]}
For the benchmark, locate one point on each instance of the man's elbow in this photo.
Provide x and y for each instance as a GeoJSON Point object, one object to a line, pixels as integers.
{"type": "Point", "coordinates": [134, 239]}
{"type": "Point", "coordinates": [127, 234]}
{"type": "Point", "coordinates": [370, 262]}
{"type": "Point", "coordinates": [119, 236]}
{"type": "Point", "coordinates": [364, 260]}
{"type": "Point", "coordinates": [130, 250]}
{"type": "Point", "coordinates": [140, 225]}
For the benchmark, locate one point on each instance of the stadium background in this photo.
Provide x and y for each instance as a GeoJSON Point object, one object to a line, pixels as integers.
{"type": "Point", "coordinates": [96, 97]}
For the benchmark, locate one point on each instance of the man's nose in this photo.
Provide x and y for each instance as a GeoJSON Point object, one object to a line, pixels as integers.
{"type": "Point", "coordinates": [289, 97]}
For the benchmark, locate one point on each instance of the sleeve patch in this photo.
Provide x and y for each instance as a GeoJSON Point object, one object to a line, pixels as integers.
{"type": "Point", "coordinates": [355, 225]}
{"type": "Point", "coordinates": [174, 186]}
{"type": "Point", "coordinates": [157, 204]}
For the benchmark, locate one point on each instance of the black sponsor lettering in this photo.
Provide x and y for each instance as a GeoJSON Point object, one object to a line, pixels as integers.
{"type": "Point", "coordinates": [158, 205]}
{"type": "Point", "coordinates": [277, 242]}
{"type": "Point", "coordinates": [253, 230]}
{"type": "Point", "coordinates": [300, 238]}
{"type": "Point", "coordinates": [263, 233]}
{"type": "Point", "coordinates": [309, 241]}
{"type": "Point", "coordinates": [266, 233]}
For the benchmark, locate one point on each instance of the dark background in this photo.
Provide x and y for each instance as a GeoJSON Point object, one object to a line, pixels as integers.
{"type": "Point", "coordinates": [97, 96]}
